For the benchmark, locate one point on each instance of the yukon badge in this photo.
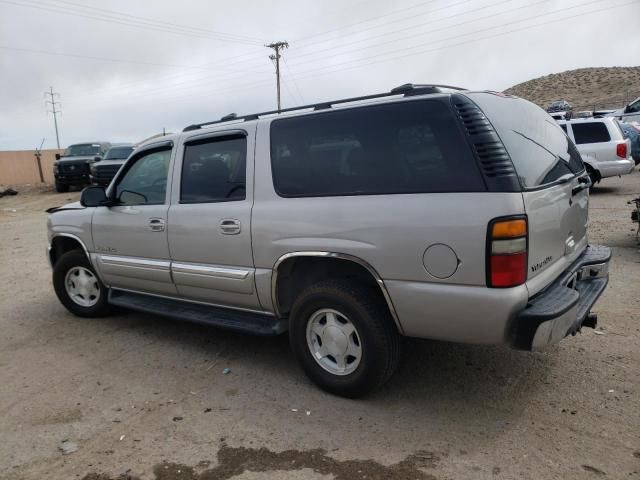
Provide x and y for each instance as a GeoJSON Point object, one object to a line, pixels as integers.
{"type": "Point", "coordinates": [542, 264]}
{"type": "Point", "coordinates": [105, 249]}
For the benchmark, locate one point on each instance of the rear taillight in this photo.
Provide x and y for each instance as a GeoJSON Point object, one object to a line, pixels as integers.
{"type": "Point", "coordinates": [507, 252]}
{"type": "Point", "coordinates": [621, 150]}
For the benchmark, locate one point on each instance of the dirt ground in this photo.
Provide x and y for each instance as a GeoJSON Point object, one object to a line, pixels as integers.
{"type": "Point", "coordinates": [146, 398]}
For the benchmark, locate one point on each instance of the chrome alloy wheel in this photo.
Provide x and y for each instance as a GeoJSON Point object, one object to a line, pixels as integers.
{"type": "Point", "coordinates": [334, 342]}
{"type": "Point", "coordinates": [82, 286]}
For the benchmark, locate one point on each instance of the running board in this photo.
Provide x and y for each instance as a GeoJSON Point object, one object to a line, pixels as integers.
{"type": "Point", "coordinates": [238, 320]}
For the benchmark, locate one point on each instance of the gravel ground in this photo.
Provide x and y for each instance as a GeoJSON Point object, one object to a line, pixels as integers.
{"type": "Point", "coordinates": [146, 398]}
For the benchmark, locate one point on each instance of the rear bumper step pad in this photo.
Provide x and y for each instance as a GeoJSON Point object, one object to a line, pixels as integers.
{"type": "Point", "coordinates": [563, 308]}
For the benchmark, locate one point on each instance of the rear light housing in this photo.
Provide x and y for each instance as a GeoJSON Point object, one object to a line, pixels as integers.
{"type": "Point", "coordinates": [621, 150]}
{"type": "Point", "coordinates": [507, 251]}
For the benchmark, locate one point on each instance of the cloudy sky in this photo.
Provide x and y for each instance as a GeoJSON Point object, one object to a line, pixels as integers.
{"type": "Point", "coordinates": [126, 69]}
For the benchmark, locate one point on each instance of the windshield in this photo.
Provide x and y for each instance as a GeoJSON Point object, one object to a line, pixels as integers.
{"type": "Point", "coordinates": [85, 149]}
{"type": "Point", "coordinates": [118, 153]}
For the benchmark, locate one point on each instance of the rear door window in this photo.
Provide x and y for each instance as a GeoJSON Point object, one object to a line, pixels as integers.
{"type": "Point", "coordinates": [590, 132]}
{"type": "Point", "coordinates": [405, 147]}
{"type": "Point", "coordinates": [539, 148]}
{"type": "Point", "coordinates": [214, 170]}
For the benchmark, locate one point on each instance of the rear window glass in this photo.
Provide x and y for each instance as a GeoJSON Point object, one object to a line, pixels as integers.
{"type": "Point", "coordinates": [540, 150]}
{"type": "Point", "coordinates": [590, 132]}
{"type": "Point", "coordinates": [408, 147]}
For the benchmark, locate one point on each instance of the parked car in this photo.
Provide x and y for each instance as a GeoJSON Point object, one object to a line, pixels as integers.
{"type": "Point", "coordinates": [72, 167]}
{"type": "Point", "coordinates": [632, 132]}
{"type": "Point", "coordinates": [559, 115]}
{"type": "Point", "coordinates": [426, 211]}
{"type": "Point", "coordinates": [102, 172]}
{"type": "Point", "coordinates": [630, 113]}
{"type": "Point", "coordinates": [604, 149]}
{"type": "Point", "coordinates": [561, 106]}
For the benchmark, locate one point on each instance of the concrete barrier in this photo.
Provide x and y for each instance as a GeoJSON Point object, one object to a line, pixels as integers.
{"type": "Point", "coordinates": [20, 167]}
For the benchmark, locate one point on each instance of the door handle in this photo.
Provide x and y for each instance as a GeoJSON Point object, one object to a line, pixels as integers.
{"type": "Point", "coordinates": [230, 226]}
{"type": "Point", "coordinates": [156, 224]}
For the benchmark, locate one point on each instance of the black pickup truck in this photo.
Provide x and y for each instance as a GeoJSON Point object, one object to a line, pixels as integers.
{"type": "Point", "coordinates": [72, 167]}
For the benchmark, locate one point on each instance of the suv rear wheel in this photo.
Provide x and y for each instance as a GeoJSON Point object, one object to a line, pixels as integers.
{"type": "Point", "coordinates": [344, 337]}
{"type": "Point", "coordinates": [78, 287]}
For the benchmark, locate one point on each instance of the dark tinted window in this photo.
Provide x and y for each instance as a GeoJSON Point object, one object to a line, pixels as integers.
{"type": "Point", "coordinates": [118, 153]}
{"type": "Point", "coordinates": [590, 132]}
{"type": "Point", "coordinates": [540, 150]}
{"type": "Point", "coordinates": [214, 170]}
{"type": "Point", "coordinates": [564, 127]}
{"type": "Point", "coordinates": [87, 149]}
{"type": "Point", "coordinates": [408, 147]}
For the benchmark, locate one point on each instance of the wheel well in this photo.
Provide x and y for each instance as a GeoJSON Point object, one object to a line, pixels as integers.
{"type": "Point", "coordinates": [297, 273]}
{"type": "Point", "coordinates": [61, 245]}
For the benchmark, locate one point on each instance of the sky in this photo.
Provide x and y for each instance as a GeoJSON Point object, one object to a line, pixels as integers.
{"type": "Point", "coordinates": [127, 69]}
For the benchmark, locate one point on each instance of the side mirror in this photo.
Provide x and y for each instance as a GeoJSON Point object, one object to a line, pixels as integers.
{"type": "Point", "coordinates": [57, 156]}
{"type": "Point", "coordinates": [97, 159]}
{"type": "Point", "coordinates": [93, 196]}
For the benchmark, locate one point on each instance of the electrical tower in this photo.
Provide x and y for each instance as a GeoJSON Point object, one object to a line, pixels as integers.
{"type": "Point", "coordinates": [53, 110]}
{"type": "Point", "coordinates": [277, 46]}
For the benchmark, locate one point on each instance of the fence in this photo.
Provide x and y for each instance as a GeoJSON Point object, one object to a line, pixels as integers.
{"type": "Point", "coordinates": [20, 167]}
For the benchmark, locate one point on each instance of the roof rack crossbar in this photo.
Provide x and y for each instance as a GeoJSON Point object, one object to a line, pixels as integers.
{"type": "Point", "coordinates": [408, 89]}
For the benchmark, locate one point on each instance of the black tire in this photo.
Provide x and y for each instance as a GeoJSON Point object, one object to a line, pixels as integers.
{"type": "Point", "coordinates": [62, 187]}
{"type": "Point", "coordinates": [77, 258]}
{"type": "Point", "coordinates": [593, 175]}
{"type": "Point", "coordinates": [376, 331]}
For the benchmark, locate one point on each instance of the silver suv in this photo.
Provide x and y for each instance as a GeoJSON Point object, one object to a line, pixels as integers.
{"type": "Point", "coordinates": [602, 144]}
{"type": "Point", "coordinates": [426, 212]}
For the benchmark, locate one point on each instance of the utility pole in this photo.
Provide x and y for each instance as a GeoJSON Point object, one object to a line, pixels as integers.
{"type": "Point", "coordinates": [277, 47]}
{"type": "Point", "coordinates": [55, 112]}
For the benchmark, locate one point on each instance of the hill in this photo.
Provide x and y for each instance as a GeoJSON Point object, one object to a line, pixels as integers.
{"type": "Point", "coordinates": [584, 88]}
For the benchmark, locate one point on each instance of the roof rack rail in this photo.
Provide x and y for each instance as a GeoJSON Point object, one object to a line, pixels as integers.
{"type": "Point", "coordinates": [408, 90]}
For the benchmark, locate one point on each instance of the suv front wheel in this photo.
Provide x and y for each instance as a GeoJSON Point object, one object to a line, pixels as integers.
{"type": "Point", "coordinates": [344, 337]}
{"type": "Point", "coordinates": [78, 287]}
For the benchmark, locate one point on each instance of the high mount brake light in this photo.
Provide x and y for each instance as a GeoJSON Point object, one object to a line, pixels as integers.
{"type": "Point", "coordinates": [507, 252]}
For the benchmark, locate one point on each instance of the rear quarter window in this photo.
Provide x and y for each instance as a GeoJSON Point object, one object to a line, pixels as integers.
{"type": "Point", "coordinates": [404, 147]}
{"type": "Point", "coordinates": [539, 148]}
{"type": "Point", "coordinates": [590, 132]}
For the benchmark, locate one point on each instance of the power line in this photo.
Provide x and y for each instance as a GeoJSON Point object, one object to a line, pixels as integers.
{"type": "Point", "coordinates": [53, 110]}
{"type": "Point", "coordinates": [116, 60]}
{"type": "Point", "coordinates": [158, 22]}
{"type": "Point", "coordinates": [131, 22]}
{"type": "Point", "coordinates": [277, 47]}
{"type": "Point", "coordinates": [315, 73]}
{"type": "Point", "coordinates": [422, 24]}
{"type": "Point", "coordinates": [398, 53]}
{"type": "Point", "coordinates": [293, 80]}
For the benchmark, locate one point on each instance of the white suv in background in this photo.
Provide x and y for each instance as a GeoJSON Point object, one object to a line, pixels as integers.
{"type": "Point", "coordinates": [602, 145]}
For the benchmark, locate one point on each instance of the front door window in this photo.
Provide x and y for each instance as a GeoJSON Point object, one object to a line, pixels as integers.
{"type": "Point", "coordinates": [145, 183]}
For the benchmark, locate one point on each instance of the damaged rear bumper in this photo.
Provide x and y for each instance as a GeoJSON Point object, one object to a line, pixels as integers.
{"type": "Point", "coordinates": [564, 307]}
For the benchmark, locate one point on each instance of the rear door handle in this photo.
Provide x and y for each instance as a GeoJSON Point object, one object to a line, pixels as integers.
{"type": "Point", "coordinates": [230, 226]}
{"type": "Point", "coordinates": [156, 224]}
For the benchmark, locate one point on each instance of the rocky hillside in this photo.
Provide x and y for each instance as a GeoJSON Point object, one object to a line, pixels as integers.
{"type": "Point", "coordinates": [584, 88]}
